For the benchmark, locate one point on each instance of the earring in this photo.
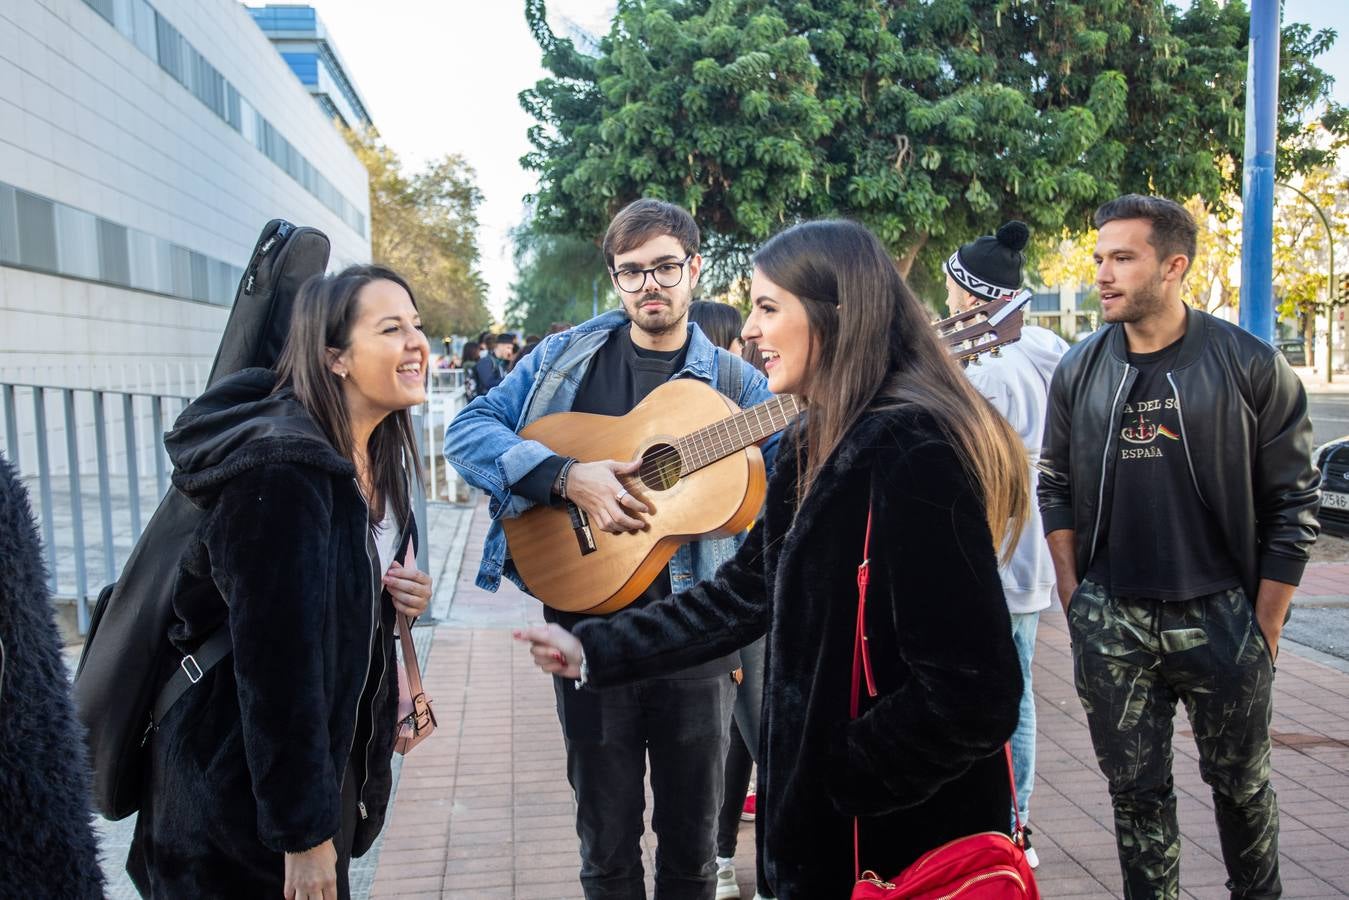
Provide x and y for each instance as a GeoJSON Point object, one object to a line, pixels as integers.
{"type": "Point", "coordinates": [342, 375]}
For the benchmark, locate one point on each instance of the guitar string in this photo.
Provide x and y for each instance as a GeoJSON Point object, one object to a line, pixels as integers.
{"type": "Point", "coordinates": [717, 441]}
{"type": "Point", "coordinates": [721, 431]}
{"type": "Point", "coordinates": [708, 444]}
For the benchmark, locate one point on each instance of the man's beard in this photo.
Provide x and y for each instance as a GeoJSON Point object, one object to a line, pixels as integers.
{"type": "Point", "coordinates": [1139, 304]}
{"type": "Point", "coordinates": [658, 322]}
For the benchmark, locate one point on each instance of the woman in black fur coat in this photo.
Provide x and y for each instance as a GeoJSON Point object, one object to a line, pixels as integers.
{"type": "Point", "coordinates": [47, 845]}
{"type": "Point", "coordinates": [273, 771]}
{"type": "Point", "coordinates": [893, 427]}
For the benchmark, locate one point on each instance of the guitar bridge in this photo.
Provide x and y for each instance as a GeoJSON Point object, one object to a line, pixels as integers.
{"type": "Point", "coordinates": [580, 526]}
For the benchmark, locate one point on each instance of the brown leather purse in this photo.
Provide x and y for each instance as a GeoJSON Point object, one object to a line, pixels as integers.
{"type": "Point", "coordinates": [416, 721]}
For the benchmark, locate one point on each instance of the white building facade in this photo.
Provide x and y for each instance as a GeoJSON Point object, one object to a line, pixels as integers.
{"type": "Point", "coordinates": [143, 145]}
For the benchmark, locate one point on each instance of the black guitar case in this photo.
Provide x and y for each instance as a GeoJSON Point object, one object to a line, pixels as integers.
{"type": "Point", "coordinates": [127, 653]}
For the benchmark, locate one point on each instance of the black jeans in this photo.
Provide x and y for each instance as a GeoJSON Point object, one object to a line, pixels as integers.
{"type": "Point", "coordinates": [681, 724]}
{"type": "Point", "coordinates": [740, 758]}
{"type": "Point", "coordinates": [738, 766]}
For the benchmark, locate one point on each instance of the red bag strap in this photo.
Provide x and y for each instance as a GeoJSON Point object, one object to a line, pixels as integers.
{"type": "Point", "coordinates": [861, 665]}
{"type": "Point", "coordinates": [861, 661]}
{"type": "Point", "coordinates": [861, 669]}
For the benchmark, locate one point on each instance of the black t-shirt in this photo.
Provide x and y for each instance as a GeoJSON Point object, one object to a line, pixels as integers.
{"type": "Point", "coordinates": [1161, 541]}
{"type": "Point", "coordinates": [620, 376]}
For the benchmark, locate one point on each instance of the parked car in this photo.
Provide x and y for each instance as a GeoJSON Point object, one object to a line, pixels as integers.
{"type": "Point", "coordinates": [1293, 350]}
{"type": "Point", "coordinates": [1332, 458]}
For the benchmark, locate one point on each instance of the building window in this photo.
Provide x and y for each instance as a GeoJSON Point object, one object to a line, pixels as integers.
{"type": "Point", "coordinates": [39, 234]}
{"type": "Point", "coordinates": [114, 261]}
{"type": "Point", "coordinates": [156, 37]}
{"type": "Point", "coordinates": [9, 227]}
{"type": "Point", "coordinates": [1045, 301]}
{"type": "Point", "coordinates": [304, 65]}
{"type": "Point", "coordinates": [37, 231]}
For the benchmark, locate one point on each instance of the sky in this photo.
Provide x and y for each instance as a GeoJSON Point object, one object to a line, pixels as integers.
{"type": "Point", "coordinates": [444, 76]}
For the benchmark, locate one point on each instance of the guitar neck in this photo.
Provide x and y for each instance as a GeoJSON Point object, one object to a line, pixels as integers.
{"type": "Point", "coordinates": [707, 445]}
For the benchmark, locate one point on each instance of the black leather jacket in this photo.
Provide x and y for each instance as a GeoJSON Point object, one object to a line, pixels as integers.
{"type": "Point", "coordinates": [1244, 428]}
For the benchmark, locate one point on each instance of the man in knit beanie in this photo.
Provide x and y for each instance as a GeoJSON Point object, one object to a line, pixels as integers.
{"type": "Point", "coordinates": [1016, 382]}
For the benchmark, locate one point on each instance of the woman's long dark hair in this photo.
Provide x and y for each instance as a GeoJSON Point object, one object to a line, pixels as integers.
{"type": "Point", "coordinates": [325, 312]}
{"type": "Point", "coordinates": [872, 347]}
{"type": "Point", "coordinates": [721, 322]}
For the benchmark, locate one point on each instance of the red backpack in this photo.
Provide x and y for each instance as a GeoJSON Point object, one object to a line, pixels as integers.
{"type": "Point", "coordinates": [985, 866]}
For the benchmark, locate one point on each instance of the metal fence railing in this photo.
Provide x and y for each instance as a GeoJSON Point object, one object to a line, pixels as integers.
{"type": "Point", "coordinates": [81, 450]}
{"type": "Point", "coordinates": [111, 435]}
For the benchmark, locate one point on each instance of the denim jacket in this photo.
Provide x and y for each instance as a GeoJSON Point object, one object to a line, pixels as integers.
{"type": "Point", "coordinates": [483, 443]}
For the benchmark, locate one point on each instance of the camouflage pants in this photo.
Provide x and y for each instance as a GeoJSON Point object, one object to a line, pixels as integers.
{"type": "Point", "coordinates": [1132, 659]}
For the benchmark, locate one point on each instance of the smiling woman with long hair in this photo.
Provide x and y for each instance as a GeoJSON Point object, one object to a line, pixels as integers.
{"type": "Point", "coordinates": [273, 770]}
{"type": "Point", "coordinates": [893, 433]}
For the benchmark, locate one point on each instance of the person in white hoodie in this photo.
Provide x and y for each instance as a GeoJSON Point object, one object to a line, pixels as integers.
{"type": "Point", "coordinates": [1016, 382]}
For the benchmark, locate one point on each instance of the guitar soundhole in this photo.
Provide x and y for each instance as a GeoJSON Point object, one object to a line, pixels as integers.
{"type": "Point", "coordinates": [660, 467]}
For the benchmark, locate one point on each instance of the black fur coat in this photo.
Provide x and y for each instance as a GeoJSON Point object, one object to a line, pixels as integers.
{"type": "Point", "coordinates": [47, 845]}
{"type": "Point", "coordinates": [923, 763]}
{"type": "Point", "coordinates": [253, 760]}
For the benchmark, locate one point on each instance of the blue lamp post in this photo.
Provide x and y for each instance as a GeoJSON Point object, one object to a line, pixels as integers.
{"type": "Point", "coordinates": [1257, 191]}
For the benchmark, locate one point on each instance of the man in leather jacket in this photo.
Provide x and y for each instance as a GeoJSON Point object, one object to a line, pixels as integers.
{"type": "Point", "coordinates": [1178, 497]}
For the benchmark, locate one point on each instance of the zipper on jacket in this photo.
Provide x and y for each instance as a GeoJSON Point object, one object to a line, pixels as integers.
{"type": "Point", "coordinates": [369, 652]}
{"type": "Point", "coordinates": [374, 699]}
{"type": "Point", "coordinates": [379, 685]}
{"type": "Point", "coordinates": [1111, 425]}
{"type": "Point", "coordinates": [1185, 441]}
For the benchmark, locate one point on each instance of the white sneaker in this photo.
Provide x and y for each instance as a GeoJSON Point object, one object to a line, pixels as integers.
{"type": "Point", "coordinates": [727, 888]}
{"type": "Point", "coordinates": [1032, 858]}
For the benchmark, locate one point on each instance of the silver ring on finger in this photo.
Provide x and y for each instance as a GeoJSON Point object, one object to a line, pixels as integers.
{"type": "Point", "coordinates": [621, 494]}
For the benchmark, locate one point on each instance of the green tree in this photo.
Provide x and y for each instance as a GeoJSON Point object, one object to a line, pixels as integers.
{"type": "Point", "coordinates": [1301, 263]}
{"type": "Point", "coordinates": [424, 226]}
{"type": "Point", "coordinates": [931, 122]}
{"type": "Point", "coordinates": [558, 279]}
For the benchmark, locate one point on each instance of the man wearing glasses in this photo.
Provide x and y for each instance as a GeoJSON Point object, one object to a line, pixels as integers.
{"type": "Point", "coordinates": [607, 366]}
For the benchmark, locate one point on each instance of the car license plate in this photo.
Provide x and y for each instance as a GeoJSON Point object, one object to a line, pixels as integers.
{"type": "Point", "coordinates": [1334, 500]}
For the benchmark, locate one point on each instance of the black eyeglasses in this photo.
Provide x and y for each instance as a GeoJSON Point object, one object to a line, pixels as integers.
{"type": "Point", "coordinates": [667, 274]}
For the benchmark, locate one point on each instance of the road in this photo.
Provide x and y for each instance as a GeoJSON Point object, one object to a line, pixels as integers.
{"type": "Point", "coordinates": [1326, 629]}
{"type": "Point", "coordinates": [1330, 415]}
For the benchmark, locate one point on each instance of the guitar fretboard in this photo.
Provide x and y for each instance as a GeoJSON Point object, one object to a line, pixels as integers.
{"type": "Point", "coordinates": [707, 445]}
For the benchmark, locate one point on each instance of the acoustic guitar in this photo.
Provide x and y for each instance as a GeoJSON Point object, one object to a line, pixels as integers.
{"type": "Point", "coordinates": [701, 475]}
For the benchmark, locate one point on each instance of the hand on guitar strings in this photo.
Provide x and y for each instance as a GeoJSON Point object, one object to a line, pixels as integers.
{"type": "Point", "coordinates": [553, 648]}
{"type": "Point", "coordinates": [601, 489]}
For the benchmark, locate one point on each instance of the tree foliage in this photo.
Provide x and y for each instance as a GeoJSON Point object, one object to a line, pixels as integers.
{"type": "Point", "coordinates": [1213, 283]}
{"type": "Point", "coordinates": [1301, 244]}
{"type": "Point", "coordinates": [930, 122]}
{"type": "Point", "coordinates": [559, 279]}
{"type": "Point", "coordinates": [424, 226]}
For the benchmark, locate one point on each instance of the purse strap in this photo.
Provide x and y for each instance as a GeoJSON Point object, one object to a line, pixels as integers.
{"type": "Point", "coordinates": [414, 671]}
{"type": "Point", "coordinates": [861, 672]}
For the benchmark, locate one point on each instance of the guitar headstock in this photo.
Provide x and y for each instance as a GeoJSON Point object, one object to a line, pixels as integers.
{"type": "Point", "coordinates": [985, 328]}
